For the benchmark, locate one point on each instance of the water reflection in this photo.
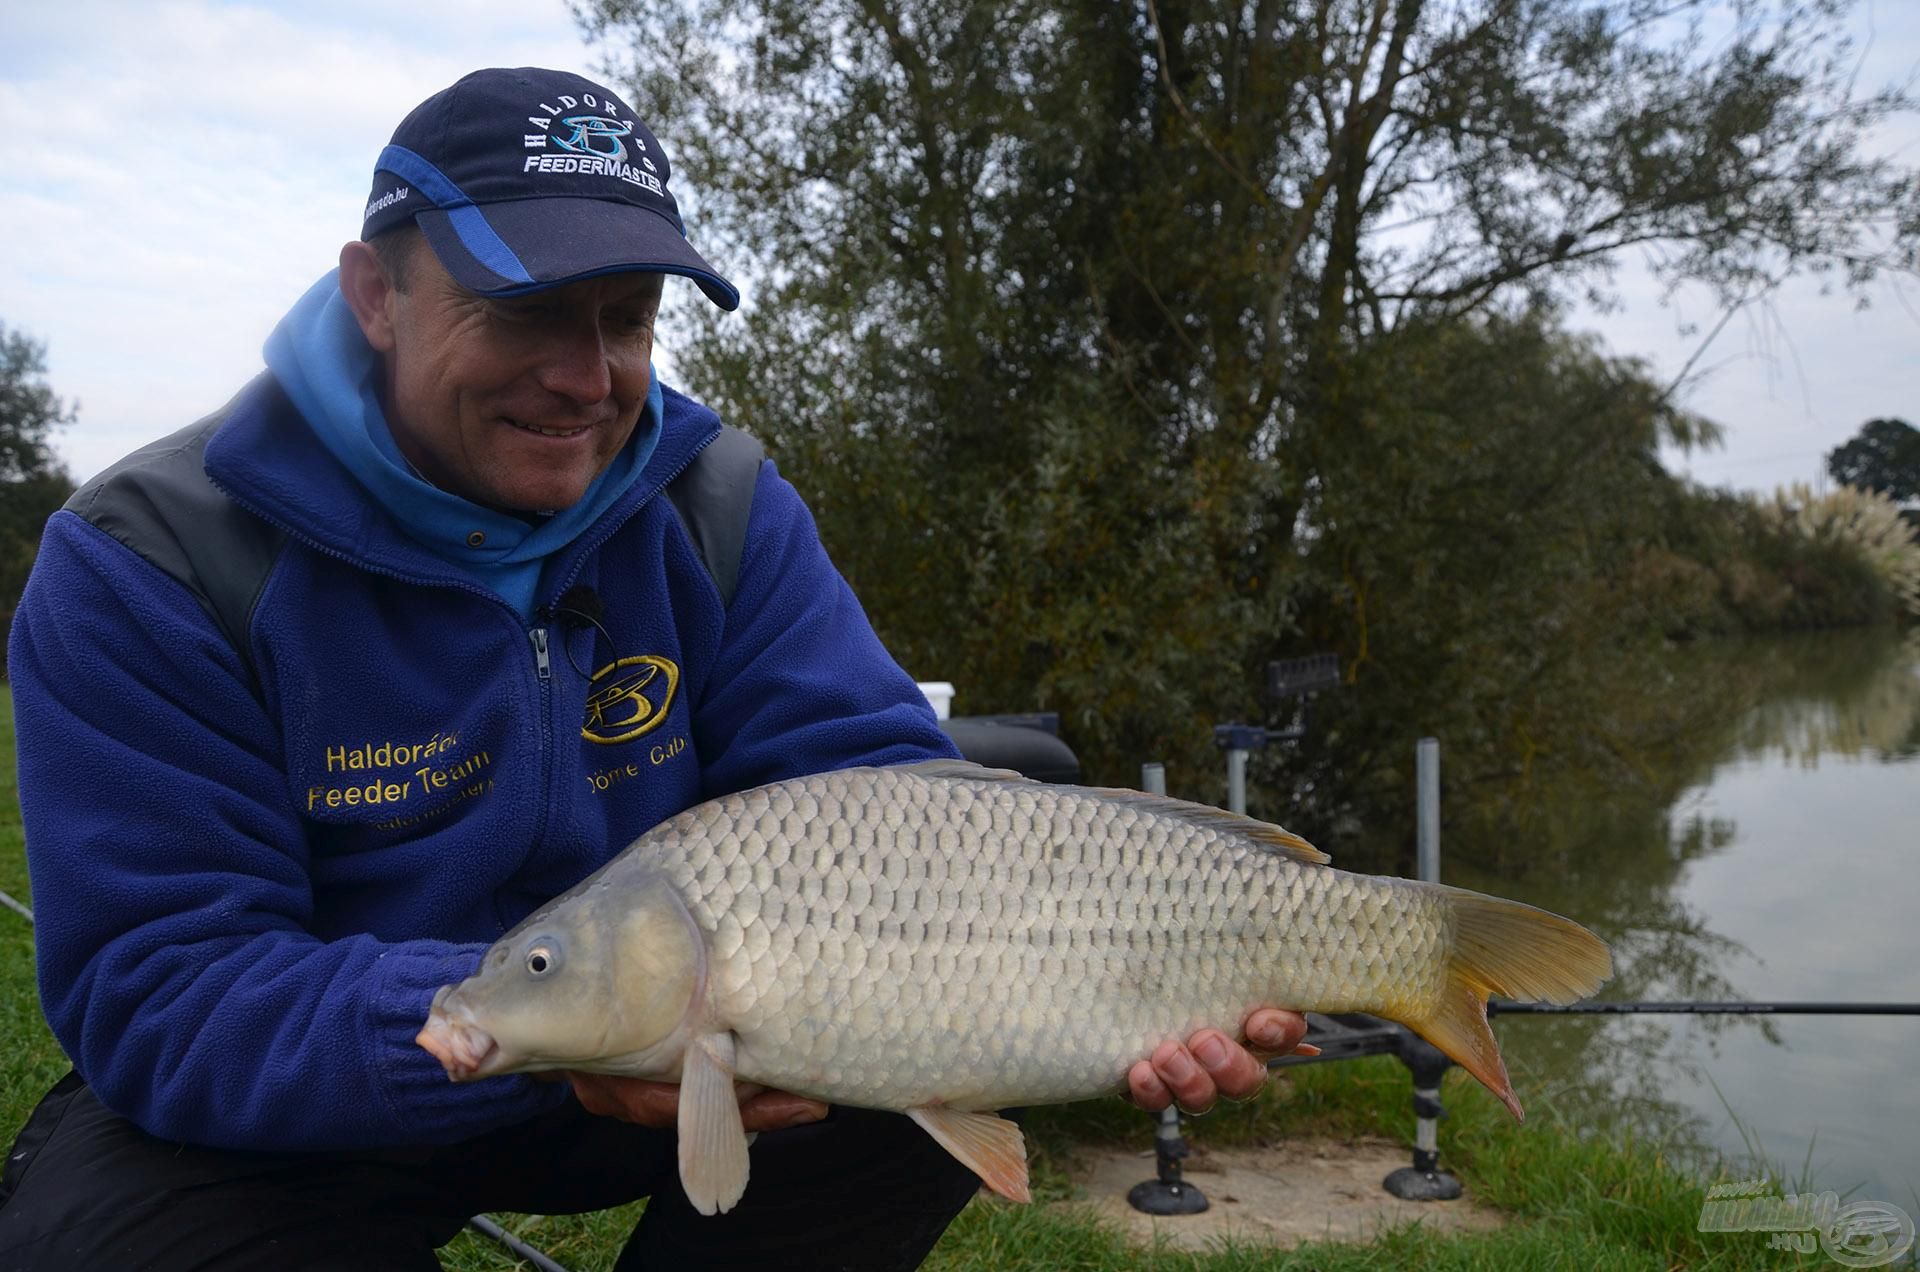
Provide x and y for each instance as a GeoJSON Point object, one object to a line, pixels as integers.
{"type": "Point", "coordinates": [1774, 861]}
{"type": "Point", "coordinates": [1853, 699]}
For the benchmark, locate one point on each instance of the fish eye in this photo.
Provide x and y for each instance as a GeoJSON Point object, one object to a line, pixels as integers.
{"type": "Point", "coordinates": [542, 959]}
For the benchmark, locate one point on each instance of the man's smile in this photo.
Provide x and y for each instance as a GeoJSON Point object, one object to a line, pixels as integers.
{"type": "Point", "coordinates": [544, 431]}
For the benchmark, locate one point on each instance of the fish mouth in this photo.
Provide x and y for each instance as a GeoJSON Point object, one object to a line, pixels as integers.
{"type": "Point", "coordinates": [465, 1050]}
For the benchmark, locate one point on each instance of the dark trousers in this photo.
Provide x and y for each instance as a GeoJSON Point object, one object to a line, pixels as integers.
{"type": "Point", "coordinates": [84, 1188]}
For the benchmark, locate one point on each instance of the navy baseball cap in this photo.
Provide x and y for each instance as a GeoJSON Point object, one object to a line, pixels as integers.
{"type": "Point", "coordinates": [525, 179]}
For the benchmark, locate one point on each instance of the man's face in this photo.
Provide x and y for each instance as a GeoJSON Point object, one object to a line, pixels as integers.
{"type": "Point", "coordinates": [517, 403]}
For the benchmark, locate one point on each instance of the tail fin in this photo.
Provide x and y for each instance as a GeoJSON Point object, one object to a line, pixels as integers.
{"type": "Point", "coordinates": [1510, 949]}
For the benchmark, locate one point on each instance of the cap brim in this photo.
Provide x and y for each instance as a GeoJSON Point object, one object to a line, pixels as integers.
{"type": "Point", "coordinates": [527, 245]}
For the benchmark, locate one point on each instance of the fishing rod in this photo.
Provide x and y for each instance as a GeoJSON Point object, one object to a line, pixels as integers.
{"type": "Point", "coordinates": [482, 1224]}
{"type": "Point", "coordinates": [1499, 1007]}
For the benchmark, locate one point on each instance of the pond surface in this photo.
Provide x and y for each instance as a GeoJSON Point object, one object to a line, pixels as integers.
{"type": "Point", "coordinates": [1787, 868]}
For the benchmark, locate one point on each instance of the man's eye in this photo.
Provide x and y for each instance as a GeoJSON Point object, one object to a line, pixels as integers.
{"type": "Point", "coordinates": [525, 311]}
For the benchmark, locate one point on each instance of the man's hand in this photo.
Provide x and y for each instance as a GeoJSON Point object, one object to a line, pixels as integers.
{"type": "Point", "coordinates": [657, 1104]}
{"type": "Point", "coordinates": [1211, 1064]}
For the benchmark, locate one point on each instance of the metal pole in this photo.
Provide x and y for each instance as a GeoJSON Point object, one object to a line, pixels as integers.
{"type": "Point", "coordinates": [16, 907]}
{"type": "Point", "coordinates": [1166, 1193]}
{"type": "Point", "coordinates": [1237, 780]}
{"type": "Point", "coordinates": [1426, 763]}
{"type": "Point", "coordinates": [1424, 1180]}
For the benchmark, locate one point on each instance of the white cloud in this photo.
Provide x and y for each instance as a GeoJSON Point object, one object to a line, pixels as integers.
{"type": "Point", "coordinates": [179, 173]}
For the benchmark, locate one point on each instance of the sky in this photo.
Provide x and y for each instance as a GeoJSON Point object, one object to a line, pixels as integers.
{"type": "Point", "coordinates": [174, 175]}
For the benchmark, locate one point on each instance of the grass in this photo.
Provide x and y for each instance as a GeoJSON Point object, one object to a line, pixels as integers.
{"type": "Point", "coordinates": [30, 1060]}
{"type": "Point", "coordinates": [1575, 1198]}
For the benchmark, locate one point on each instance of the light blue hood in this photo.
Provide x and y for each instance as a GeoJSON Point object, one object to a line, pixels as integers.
{"type": "Point", "coordinates": [332, 375]}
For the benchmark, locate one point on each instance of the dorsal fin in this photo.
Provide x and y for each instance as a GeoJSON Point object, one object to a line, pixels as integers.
{"type": "Point", "coordinates": [1266, 834]}
{"type": "Point", "coordinates": [961, 770]}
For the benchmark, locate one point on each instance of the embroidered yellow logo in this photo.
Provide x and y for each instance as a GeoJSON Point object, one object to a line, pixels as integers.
{"type": "Point", "coordinates": [631, 697]}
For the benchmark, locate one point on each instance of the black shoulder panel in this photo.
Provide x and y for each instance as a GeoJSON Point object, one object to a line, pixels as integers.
{"type": "Point", "coordinates": [714, 497]}
{"type": "Point", "coordinates": [160, 502]}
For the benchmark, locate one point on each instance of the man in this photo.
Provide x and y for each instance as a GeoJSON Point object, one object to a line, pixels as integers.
{"type": "Point", "coordinates": [318, 697]}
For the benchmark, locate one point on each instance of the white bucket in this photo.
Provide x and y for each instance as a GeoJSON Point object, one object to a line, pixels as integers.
{"type": "Point", "coordinates": [939, 696]}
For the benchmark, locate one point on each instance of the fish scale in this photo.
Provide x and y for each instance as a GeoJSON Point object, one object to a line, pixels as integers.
{"type": "Point", "coordinates": [1167, 884]}
{"type": "Point", "coordinates": [947, 940]}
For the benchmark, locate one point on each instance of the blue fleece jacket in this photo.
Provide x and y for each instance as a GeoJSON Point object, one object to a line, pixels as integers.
{"type": "Point", "coordinates": [252, 869]}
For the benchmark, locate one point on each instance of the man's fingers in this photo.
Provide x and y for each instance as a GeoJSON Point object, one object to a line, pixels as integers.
{"type": "Point", "coordinates": [655, 1104]}
{"type": "Point", "coordinates": [1211, 1064]}
{"type": "Point", "coordinates": [777, 1110]}
{"type": "Point", "coordinates": [1146, 1089]}
{"type": "Point", "coordinates": [1235, 1071]}
{"type": "Point", "coordinates": [1271, 1032]}
{"type": "Point", "coordinates": [1192, 1086]}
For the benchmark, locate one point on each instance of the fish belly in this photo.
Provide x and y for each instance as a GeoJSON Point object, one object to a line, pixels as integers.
{"type": "Point", "coordinates": [884, 938]}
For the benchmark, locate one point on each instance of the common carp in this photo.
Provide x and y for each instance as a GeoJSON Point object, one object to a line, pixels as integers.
{"type": "Point", "coordinates": [947, 940]}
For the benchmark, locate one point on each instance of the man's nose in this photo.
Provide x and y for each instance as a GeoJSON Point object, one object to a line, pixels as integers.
{"type": "Point", "coordinates": [576, 367]}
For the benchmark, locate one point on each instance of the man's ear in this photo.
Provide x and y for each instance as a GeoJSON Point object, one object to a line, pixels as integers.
{"type": "Point", "coordinates": [369, 293]}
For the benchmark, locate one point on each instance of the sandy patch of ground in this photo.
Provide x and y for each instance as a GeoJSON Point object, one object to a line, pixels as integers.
{"type": "Point", "coordinates": [1300, 1190]}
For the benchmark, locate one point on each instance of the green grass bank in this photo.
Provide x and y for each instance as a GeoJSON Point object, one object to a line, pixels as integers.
{"type": "Point", "coordinates": [1575, 1197]}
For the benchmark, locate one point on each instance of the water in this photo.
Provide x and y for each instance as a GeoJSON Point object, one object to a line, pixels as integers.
{"type": "Point", "coordinates": [1787, 867]}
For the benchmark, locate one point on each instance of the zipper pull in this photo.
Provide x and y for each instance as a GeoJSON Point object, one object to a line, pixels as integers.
{"type": "Point", "coordinates": [541, 662]}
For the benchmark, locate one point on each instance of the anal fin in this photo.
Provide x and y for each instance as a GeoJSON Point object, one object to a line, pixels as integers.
{"type": "Point", "coordinates": [985, 1143]}
{"type": "Point", "coordinates": [713, 1143]}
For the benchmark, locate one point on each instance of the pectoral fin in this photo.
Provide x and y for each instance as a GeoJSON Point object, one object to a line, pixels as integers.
{"type": "Point", "coordinates": [713, 1144]}
{"type": "Point", "coordinates": [985, 1143]}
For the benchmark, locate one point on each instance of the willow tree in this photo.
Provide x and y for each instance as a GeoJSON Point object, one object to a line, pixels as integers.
{"type": "Point", "coordinates": [1069, 316]}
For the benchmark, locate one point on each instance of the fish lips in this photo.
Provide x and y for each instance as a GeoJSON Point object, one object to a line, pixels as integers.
{"type": "Point", "coordinates": [465, 1050]}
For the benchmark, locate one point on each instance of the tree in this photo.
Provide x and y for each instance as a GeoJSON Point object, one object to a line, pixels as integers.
{"type": "Point", "coordinates": [1884, 456]}
{"type": "Point", "coordinates": [1070, 316]}
{"type": "Point", "coordinates": [33, 482]}
{"type": "Point", "coordinates": [29, 411]}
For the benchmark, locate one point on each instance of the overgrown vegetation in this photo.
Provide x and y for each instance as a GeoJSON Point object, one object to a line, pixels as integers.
{"type": "Point", "coordinates": [1573, 1199]}
{"type": "Point", "coordinates": [1862, 523]}
{"type": "Point", "coordinates": [1122, 348]}
{"type": "Point", "coordinates": [33, 482]}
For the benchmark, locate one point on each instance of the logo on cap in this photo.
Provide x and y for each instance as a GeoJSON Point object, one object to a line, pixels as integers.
{"type": "Point", "coordinates": [588, 135]}
{"type": "Point", "coordinates": [587, 127]}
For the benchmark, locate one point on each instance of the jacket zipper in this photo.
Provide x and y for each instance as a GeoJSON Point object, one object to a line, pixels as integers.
{"type": "Point", "coordinates": [543, 666]}
{"type": "Point", "coordinates": [543, 669]}
{"type": "Point", "coordinates": [541, 662]}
